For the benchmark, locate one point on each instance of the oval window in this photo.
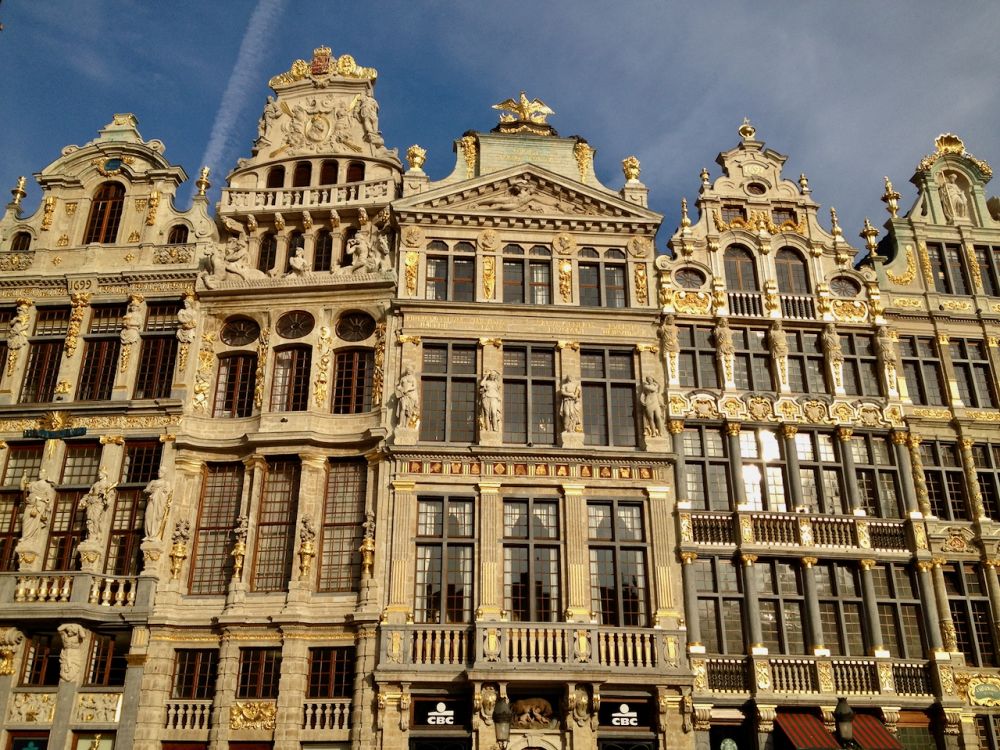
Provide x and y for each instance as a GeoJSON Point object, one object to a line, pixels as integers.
{"type": "Point", "coordinates": [844, 286]}
{"type": "Point", "coordinates": [239, 332]}
{"type": "Point", "coordinates": [355, 326]}
{"type": "Point", "coordinates": [689, 278]}
{"type": "Point", "coordinates": [295, 325]}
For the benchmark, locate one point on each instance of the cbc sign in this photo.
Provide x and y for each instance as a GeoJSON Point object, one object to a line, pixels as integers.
{"type": "Point", "coordinates": [634, 715]}
{"type": "Point", "coordinates": [624, 718]}
{"type": "Point", "coordinates": [441, 716]}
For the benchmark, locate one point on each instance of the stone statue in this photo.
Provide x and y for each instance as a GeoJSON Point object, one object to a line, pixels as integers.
{"type": "Point", "coordinates": [954, 202]}
{"type": "Point", "coordinates": [187, 320]}
{"type": "Point", "coordinates": [307, 529]}
{"type": "Point", "coordinates": [581, 705]}
{"type": "Point", "coordinates": [531, 713]}
{"type": "Point", "coordinates": [652, 406]}
{"type": "Point", "coordinates": [724, 338]}
{"type": "Point", "coordinates": [17, 335]}
{"type": "Point", "coordinates": [96, 503]}
{"type": "Point", "coordinates": [487, 702]}
{"type": "Point", "coordinates": [159, 493]}
{"type": "Point", "coordinates": [38, 500]}
{"type": "Point", "coordinates": [368, 115]}
{"type": "Point", "coordinates": [490, 388]}
{"type": "Point", "coordinates": [230, 259]}
{"type": "Point", "coordinates": [569, 408]}
{"type": "Point", "coordinates": [132, 323]}
{"type": "Point", "coordinates": [669, 339]}
{"type": "Point", "coordinates": [407, 412]}
{"type": "Point", "coordinates": [831, 344]}
{"type": "Point", "coordinates": [778, 340]}
{"type": "Point", "coordinates": [71, 656]}
{"type": "Point", "coordinates": [886, 347]}
{"type": "Point", "coordinates": [298, 264]}
{"type": "Point", "coordinates": [271, 113]}
{"type": "Point", "coordinates": [368, 251]}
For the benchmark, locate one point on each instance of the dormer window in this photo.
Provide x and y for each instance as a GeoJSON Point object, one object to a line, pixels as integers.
{"type": "Point", "coordinates": [731, 212]}
{"type": "Point", "coordinates": [105, 214]}
{"type": "Point", "coordinates": [20, 242]}
{"type": "Point", "coordinates": [782, 215]}
{"type": "Point", "coordinates": [178, 235]}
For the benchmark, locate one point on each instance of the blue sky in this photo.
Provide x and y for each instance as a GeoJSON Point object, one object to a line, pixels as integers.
{"type": "Point", "coordinates": [849, 90]}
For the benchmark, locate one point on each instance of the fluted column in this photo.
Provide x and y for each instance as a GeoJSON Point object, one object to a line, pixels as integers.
{"type": "Point", "coordinates": [902, 453]}
{"type": "Point", "coordinates": [490, 551]}
{"type": "Point", "coordinates": [929, 604]}
{"type": "Point", "coordinates": [845, 435]}
{"type": "Point", "coordinates": [814, 623]}
{"type": "Point", "coordinates": [944, 611]}
{"type": "Point", "coordinates": [661, 528]}
{"type": "Point", "coordinates": [871, 608]}
{"type": "Point", "coordinates": [788, 432]}
{"type": "Point", "coordinates": [753, 604]}
{"type": "Point", "coordinates": [736, 465]}
{"type": "Point", "coordinates": [577, 554]}
{"type": "Point", "coordinates": [993, 585]}
{"type": "Point", "coordinates": [691, 614]}
{"type": "Point", "coordinates": [404, 504]}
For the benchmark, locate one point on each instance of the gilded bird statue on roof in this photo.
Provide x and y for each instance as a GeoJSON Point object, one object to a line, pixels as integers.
{"type": "Point", "coordinates": [523, 110]}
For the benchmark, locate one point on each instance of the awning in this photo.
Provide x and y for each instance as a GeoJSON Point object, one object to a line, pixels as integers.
{"type": "Point", "coordinates": [870, 733]}
{"type": "Point", "coordinates": [806, 732]}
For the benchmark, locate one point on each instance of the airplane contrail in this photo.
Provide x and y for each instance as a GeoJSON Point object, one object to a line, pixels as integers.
{"type": "Point", "coordinates": [244, 78]}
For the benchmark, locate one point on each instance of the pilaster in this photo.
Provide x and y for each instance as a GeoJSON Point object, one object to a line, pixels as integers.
{"type": "Point", "coordinates": [577, 559]}
{"type": "Point", "coordinates": [490, 551]}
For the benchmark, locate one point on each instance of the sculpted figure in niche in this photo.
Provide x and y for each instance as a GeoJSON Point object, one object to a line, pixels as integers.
{"type": "Point", "coordinates": [831, 344]}
{"type": "Point", "coordinates": [369, 252]}
{"type": "Point", "coordinates": [406, 399]}
{"type": "Point", "coordinates": [569, 408]}
{"type": "Point", "coordinates": [778, 340]}
{"type": "Point", "coordinates": [532, 713]}
{"type": "Point", "coordinates": [668, 336]}
{"type": "Point", "coordinates": [489, 401]}
{"type": "Point", "coordinates": [520, 197]}
{"type": "Point", "coordinates": [187, 319]}
{"type": "Point", "coordinates": [298, 265]}
{"type": "Point", "coordinates": [96, 503]}
{"type": "Point", "coordinates": [886, 347]}
{"type": "Point", "coordinates": [652, 406]}
{"type": "Point", "coordinates": [71, 656]}
{"type": "Point", "coordinates": [159, 494]}
{"type": "Point", "coordinates": [954, 202]}
{"type": "Point", "coordinates": [724, 338]}
{"type": "Point", "coordinates": [17, 336]}
{"type": "Point", "coordinates": [39, 496]}
{"type": "Point", "coordinates": [132, 323]}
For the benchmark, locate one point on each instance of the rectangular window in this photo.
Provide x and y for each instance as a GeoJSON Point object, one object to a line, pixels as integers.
{"type": "Point", "coordinates": [986, 457]}
{"type": "Point", "coordinates": [922, 370]}
{"type": "Point", "coordinates": [763, 462]}
{"type": "Point", "coordinates": [752, 361]}
{"type": "Point", "coordinates": [619, 590]}
{"type": "Point", "coordinates": [448, 393]}
{"type": "Point", "coordinates": [945, 480]}
{"type": "Point", "coordinates": [877, 475]}
{"type": "Point", "coordinates": [529, 386]}
{"type": "Point", "coordinates": [989, 267]}
{"type": "Point", "coordinates": [45, 354]}
{"type": "Point", "coordinates": [195, 672]}
{"type": "Point", "coordinates": [352, 385]}
{"type": "Point", "coordinates": [107, 663]}
{"type": "Point", "coordinates": [101, 348]}
{"type": "Point", "coordinates": [260, 669]}
{"type": "Point", "coordinates": [343, 511]}
{"type": "Point", "coordinates": [140, 467]}
{"type": "Point", "coordinates": [696, 361]}
{"type": "Point", "coordinates": [211, 563]}
{"type": "Point", "coordinates": [159, 351]}
{"type": "Point", "coordinates": [806, 363]}
{"type": "Point", "coordinates": [948, 269]}
{"type": "Point", "coordinates": [451, 277]}
{"type": "Point", "coordinates": [66, 524]}
{"type": "Point", "coordinates": [23, 460]}
{"type": "Point", "coordinates": [821, 473]}
{"type": "Point", "coordinates": [973, 373]}
{"type": "Point", "coordinates": [41, 660]}
{"type": "Point", "coordinates": [290, 385]}
{"type": "Point", "coordinates": [609, 390]}
{"type": "Point", "coordinates": [899, 610]}
{"type": "Point", "coordinates": [513, 281]}
{"type": "Point", "coordinates": [720, 604]}
{"type": "Point", "coordinates": [782, 606]}
{"type": "Point", "coordinates": [531, 555]}
{"type": "Point", "coordinates": [603, 284]}
{"type": "Point", "coordinates": [331, 672]}
{"type": "Point", "coordinates": [861, 371]}
{"type": "Point", "coordinates": [706, 467]}
{"type": "Point", "coordinates": [841, 606]}
{"type": "Point", "coordinates": [970, 612]}
{"type": "Point", "coordinates": [275, 523]}
{"type": "Point", "coordinates": [444, 560]}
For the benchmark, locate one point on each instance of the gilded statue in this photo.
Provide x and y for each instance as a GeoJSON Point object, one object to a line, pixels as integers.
{"type": "Point", "coordinates": [522, 110]}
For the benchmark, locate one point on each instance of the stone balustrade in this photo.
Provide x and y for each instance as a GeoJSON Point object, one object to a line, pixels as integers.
{"type": "Point", "coordinates": [329, 715]}
{"type": "Point", "coordinates": [57, 593]}
{"type": "Point", "coordinates": [253, 200]}
{"type": "Point", "coordinates": [189, 715]}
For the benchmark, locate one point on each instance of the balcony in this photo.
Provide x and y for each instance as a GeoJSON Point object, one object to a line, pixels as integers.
{"type": "Point", "coordinates": [327, 716]}
{"type": "Point", "coordinates": [63, 594]}
{"type": "Point", "coordinates": [753, 305]}
{"type": "Point", "coordinates": [239, 200]}
{"type": "Point", "coordinates": [813, 675]}
{"type": "Point", "coordinates": [521, 646]}
{"type": "Point", "coordinates": [762, 529]}
{"type": "Point", "coordinates": [189, 715]}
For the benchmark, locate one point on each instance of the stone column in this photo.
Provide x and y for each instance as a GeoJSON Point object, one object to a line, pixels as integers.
{"type": "Point", "coordinates": [932, 622]}
{"type": "Point", "coordinates": [845, 435]}
{"type": "Point", "coordinates": [490, 552]}
{"type": "Point", "coordinates": [919, 480]}
{"type": "Point", "coordinates": [305, 557]}
{"type": "Point", "coordinates": [227, 679]}
{"type": "Point", "coordinates": [757, 646]}
{"type": "Point", "coordinates": [577, 554]}
{"type": "Point", "coordinates": [944, 611]}
{"type": "Point", "coordinates": [736, 465]}
{"type": "Point", "coordinates": [132, 692]}
{"type": "Point", "coordinates": [814, 623]}
{"type": "Point", "coordinates": [676, 428]}
{"type": "Point", "coordinates": [363, 703]}
{"type": "Point", "coordinates": [291, 690]}
{"type": "Point", "coordinates": [902, 454]}
{"type": "Point", "coordinates": [491, 355]}
{"type": "Point", "coordinates": [972, 480]}
{"type": "Point", "coordinates": [691, 615]}
{"type": "Point", "coordinates": [993, 585]}
{"type": "Point", "coordinates": [569, 367]}
{"type": "Point", "coordinates": [871, 609]}
{"type": "Point", "coordinates": [401, 572]}
{"type": "Point", "coordinates": [281, 253]}
{"type": "Point", "coordinates": [661, 528]}
{"type": "Point", "coordinates": [156, 688]}
{"type": "Point", "coordinates": [17, 358]}
{"type": "Point", "coordinates": [788, 432]}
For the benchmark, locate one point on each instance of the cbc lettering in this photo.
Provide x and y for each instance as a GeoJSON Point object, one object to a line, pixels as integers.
{"type": "Point", "coordinates": [441, 715]}
{"type": "Point", "coordinates": [624, 718]}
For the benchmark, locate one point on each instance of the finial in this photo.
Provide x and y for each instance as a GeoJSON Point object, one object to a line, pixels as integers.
{"type": "Point", "coordinates": [704, 177]}
{"type": "Point", "coordinates": [522, 110]}
{"type": "Point", "coordinates": [202, 182]}
{"type": "Point", "coordinates": [747, 131]}
{"type": "Point", "coordinates": [804, 183]}
{"type": "Point", "coordinates": [891, 198]}
{"type": "Point", "coordinates": [835, 229]}
{"type": "Point", "coordinates": [631, 168]}
{"type": "Point", "coordinates": [416, 157]}
{"type": "Point", "coordinates": [869, 233]}
{"type": "Point", "coordinates": [18, 192]}
{"type": "Point", "coordinates": [949, 143]}
{"type": "Point", "coordinates": [685, 221]}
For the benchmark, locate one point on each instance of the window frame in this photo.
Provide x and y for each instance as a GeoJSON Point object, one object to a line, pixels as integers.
{"type": "Point", "coordinates": [339, 568]}
{"type": "Point", "coordinates": [614, 430]}
{"type": "Point", "coordinates": [442, 421]}
{"type": "Point", "coordinates": [618, 545]}
{"type": "Point", "coordinates": [456, 554]}
{"type": "Point", "coordinates": [531, 606]}
{"type": "Point", "coordinates": [740, 267]}
{"type": "Point", "coordinates": [331, 672]}
{"type": "Point", "coordinates": [234, 389]}
{"type": "Point", "coordinates": [219, 507]}
{"type": "Point", "coordinates": [203, 674]}
{"type": "Point", "coordinates": [539, 403]}
{"type": "Point", "coordinates": [259, 672]}
{"type": "Point", "coordinates": [922, 366]}
{"type": "Point", "coordinates": [353, 385]}
{"type": "Point", "coordinates": [792, 272]}
{"type": "Point", "coordinates": [974, 377]}
{"type": "Point", "coordinates": [276, 519]}
{"type": "Point", "coordinates": [106, 210]}
{"type": "Point", "coordinates": [290, 378]}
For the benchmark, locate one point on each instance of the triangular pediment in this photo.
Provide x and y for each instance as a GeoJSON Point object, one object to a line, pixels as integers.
{"type": "Point", "coordinates": [525, 190]}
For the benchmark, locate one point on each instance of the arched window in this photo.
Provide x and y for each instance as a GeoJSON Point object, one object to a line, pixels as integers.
{"type": "Point", "coordinates": [276, 177]}
{"type": "Point", "coordinates": [268, 252]}
{"type": "Point", "coordinates": [323, 251]}
{"type": "Point", "coordinates": [290, 386]}
{"type": "Point", "coordinates": [178, 235]}
{"type": "Point", "coordinates": [234, 388]}
{"type": "Point", "coordinates": [352, 386]}
{"type": "Point", "coordinates": [20, 242]}
{"type": "Point", "coordinates": [105, 213]}
{"type": "Point", "coordinates": [793, 275]}
{"type": "Point", "coordinates": [302, 175]}
{"type": "Point", "coordinates": [328, 172]}
{"type": "Point", "coordinates": [356, 171]}
{"type": "Point", "coordinates": [741, 271]}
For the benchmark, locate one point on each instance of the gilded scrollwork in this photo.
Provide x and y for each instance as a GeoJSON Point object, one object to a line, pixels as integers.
{"type": "Point", "coordinates": [411, 263]}
{"type": "Point", "coordinates": [469, 152]}
{"type": "Point", "coordinates": [253, 715]}
{"type": "Point", "coordinates": [641, 284]}
{"type": "Point", "coordinates": [79, 302]}
{"type": "Point", "coordinates": [262, 349]}
{"type": "Point", "coordinates": [489, 276]}
{"type": "Point", "coordinates": [584, 155]}
{"type": "Point", "coordinates": [378, 370]}
{"type": "Point", "coordinates": [203, 375]}
{"type": "Point", "coordinates": [321, 383]}
{"type": "Point", "coordinates": [566, 280]}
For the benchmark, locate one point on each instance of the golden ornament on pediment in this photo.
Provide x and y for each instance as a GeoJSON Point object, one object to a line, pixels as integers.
{"type": "Point", "coordinates": [677, 404]}
{"type": "Point", "coordinates": [760, 408]}
{"type": "Point", "coordinates": [631, 168]}
{"type": "Point", "coordinates": [469, 147]}
{"type": "Point", "coordinates": [984, 416]}
{"type": "Point", "coordinates": [253, 715]}
{"type": "Point", "coordinates": [641, 284]}
{"type": "Point", "coordinates": [584, 155]}
{"type": "Point", "coordinates": [523, 110]}
{"type": "Point", "coordinates": [416, 157]}
{"type": "Point", "coordinates": [925, 265]}
{"type": "Point", "coordinates": [692, 303]}
{"type": "Point", "coordinates": [909, 273]}
{"type": "Point", "coordinates": [849, 310]}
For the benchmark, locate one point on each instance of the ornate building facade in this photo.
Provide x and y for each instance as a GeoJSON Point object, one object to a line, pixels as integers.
{"type": "Point", "coordinates": [358, 456]}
